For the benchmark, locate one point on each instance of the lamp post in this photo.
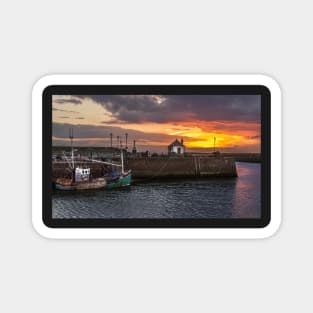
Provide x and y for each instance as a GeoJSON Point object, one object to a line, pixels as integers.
{"type": "Point", "coordinates": [126, 136]}
{"type": "Point", "coordinates": [214, 144]}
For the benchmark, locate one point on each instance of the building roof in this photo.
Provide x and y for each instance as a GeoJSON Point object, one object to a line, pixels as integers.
{"type": "Point", "coordinates": [176, 143]}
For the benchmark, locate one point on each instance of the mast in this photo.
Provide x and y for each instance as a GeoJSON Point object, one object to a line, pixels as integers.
{"type": "Point", "coordinates": [214, 143]}
{"type": "Point", "coordinates": [122, 160]}
{"type": "Point", "coordinates": [71, 136]}
{"type": "Point", "coordinates": [126, 136]}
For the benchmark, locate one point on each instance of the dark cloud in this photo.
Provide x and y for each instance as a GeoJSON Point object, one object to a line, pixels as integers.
{"type": "Point", "coordinates": [148, 108]}
{"type": "Point", "coordinates": [68, 111]}
{"type": "Point", "coordinates": [61, 131]}
{"type": "Point", "coordinates": [72, 100]}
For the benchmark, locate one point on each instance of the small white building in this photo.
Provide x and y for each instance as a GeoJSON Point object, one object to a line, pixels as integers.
{"type": "Point", "coordinates": [177, 147]}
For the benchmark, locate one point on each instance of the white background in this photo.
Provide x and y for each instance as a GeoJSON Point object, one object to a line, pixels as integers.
{"type": "Point", "coordinates": [266, 37]}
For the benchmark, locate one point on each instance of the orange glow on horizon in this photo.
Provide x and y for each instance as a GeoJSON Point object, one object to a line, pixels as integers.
{"type": "Point", "coordinates": [201, 137]}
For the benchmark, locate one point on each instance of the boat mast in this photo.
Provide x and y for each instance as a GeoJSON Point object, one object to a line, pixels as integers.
{"type": "Point", "coordinates": [122, 160]}
{"type": "Point", "coordinates": [71, 136]}
{"type": "Point", "coordinates": [126, 137]}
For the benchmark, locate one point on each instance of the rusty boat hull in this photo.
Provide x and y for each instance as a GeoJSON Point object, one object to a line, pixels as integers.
{"type": "Point", "coordinates": [67, 184]}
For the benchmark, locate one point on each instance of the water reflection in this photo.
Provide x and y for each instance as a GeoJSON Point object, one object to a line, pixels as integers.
{"type": "Point", "coordinates": [248, 191]}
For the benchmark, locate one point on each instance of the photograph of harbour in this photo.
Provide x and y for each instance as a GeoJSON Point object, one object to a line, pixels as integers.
{"type": "Point", "coordinates": [156, 156]}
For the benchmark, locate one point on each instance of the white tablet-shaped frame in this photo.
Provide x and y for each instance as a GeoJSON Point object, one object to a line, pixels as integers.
{"type": "Point", "coordinates": [155, 233]}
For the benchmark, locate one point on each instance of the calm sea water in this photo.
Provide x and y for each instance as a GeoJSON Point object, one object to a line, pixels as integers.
{"type": "Point", "coordinates": [211, 198]}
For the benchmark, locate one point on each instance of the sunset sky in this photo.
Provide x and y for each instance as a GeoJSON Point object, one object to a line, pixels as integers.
{"type": "Point", "coordinates": [155, 121]}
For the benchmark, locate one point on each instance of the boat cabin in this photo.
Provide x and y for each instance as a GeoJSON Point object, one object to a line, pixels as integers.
{"type": "Point", "coordinates": [82, 174]}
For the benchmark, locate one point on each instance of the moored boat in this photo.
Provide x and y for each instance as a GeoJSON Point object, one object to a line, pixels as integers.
{"type": "Point", "coordinates": [122, 180]}
{"type": "Point", "coordinates": [81, 178]}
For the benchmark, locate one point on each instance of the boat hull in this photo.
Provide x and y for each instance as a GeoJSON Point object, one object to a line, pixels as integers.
{"type": "Point", "coordinates": [122, 181]}
{"type": "Point", "coordinates": [95, 184]}
{"type": "Point", "coordinates": [100, 183]}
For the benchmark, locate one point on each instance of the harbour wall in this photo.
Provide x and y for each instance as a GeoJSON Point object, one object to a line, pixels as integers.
{"type": "Point", "coordinates": [165, 167]}
{"type": "Point", "coordinates": [182, 167]}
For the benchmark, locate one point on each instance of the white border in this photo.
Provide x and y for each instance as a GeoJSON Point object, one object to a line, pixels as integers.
{"type": "Point", "coordinates": [156, 233]}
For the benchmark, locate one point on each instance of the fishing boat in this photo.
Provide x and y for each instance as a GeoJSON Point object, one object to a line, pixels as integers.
{"type": "Point", "coordinates": [81, 178]}
{"type": "Point", "coordinates": [122, 180]}
{"type": "Point", "coordinates": [116, 179]}
{"type": "Point", "coordinates": [82, 181]}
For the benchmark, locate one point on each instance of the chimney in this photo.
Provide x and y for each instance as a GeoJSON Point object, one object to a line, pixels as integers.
{"type": "Point", "coordinates": [182, 141]}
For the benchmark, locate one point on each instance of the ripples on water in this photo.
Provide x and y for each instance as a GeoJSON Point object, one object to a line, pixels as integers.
{"type": "Point", "coordinates": [211, 198]}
